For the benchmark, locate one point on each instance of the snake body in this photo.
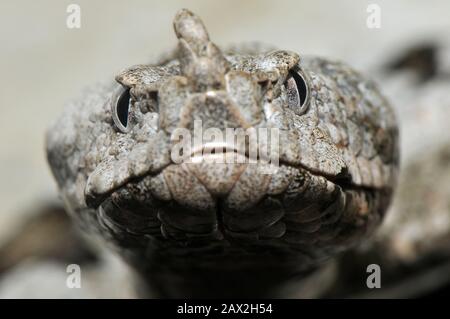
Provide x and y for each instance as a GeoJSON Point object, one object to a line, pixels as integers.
{"type": "Point", "coordinates": [200, 228]}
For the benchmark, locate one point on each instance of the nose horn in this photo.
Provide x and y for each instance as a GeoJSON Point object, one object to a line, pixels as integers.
{"type": "Point", "coordinates": [200, 60]}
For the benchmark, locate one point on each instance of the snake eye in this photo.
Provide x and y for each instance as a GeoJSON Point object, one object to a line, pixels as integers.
{"type": "Point", "coordinates": [297, 92]}
{"type": "Point", "coordinates": [121, 108]}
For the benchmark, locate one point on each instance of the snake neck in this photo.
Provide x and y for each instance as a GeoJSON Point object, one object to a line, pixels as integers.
{"type": "Point", "coordinates": [230, 276]}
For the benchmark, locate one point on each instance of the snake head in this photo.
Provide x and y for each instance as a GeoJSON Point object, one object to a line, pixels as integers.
{"type": "Point", "coordinates": [152, 157]}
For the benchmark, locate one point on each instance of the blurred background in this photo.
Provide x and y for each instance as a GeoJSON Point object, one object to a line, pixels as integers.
{"type": "Point", "coordinates": [44, 63]}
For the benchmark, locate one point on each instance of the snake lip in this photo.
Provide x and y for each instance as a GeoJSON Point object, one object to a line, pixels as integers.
{"type": "Point", "coordinates": [206, 151]}
{"type": "Point", "coordinates": [94, 199]}
{"type": "Point", "coordinates": [216, 151]}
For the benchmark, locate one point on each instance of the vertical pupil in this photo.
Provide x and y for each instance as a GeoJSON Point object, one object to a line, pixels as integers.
{"type": "Point", "coordinates": [301, 87]}
{"type": "Point", "coordinates": [122, 107]}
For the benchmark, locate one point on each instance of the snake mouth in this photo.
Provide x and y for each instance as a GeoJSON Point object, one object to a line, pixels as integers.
{"type": "Point", "coordinates": [213, 157]}
{"type": "Point", "coordinates": [209, 163]}
{"type": "Point", "coordinates": [207, 205]}
{"type": "Point", "coordinates": [209, 156]}
{"type": "Point", "coordinates": [182, 204]}
{"type": "Point", "coordinates": [310, 153]}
